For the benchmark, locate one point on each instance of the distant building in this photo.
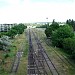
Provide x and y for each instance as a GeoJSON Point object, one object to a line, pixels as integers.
{"type": "Point", "coordinates": [43, 23]}
{"type": "Point", "coordinates": [6, 27]}
{"type": "Point", "coordinates": [31, 26]}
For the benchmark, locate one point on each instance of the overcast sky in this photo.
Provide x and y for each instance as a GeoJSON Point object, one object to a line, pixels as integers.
{"type": "Point", "coordinates": [17, 11]}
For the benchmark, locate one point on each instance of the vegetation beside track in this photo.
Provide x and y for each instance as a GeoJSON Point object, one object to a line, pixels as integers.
{"type": "Point", "coordinates": [63, 36]}
{"type": "Point", "coordinates": [16, 44]}
{"type": "Point", "coordinates": [22, 69]}
{"type": "Point", "coordinates": [57, 55]}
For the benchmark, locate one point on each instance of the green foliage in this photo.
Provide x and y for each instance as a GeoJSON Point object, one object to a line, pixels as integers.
{"type": "Point", "coordinates": [1, 46]}
{"type": "Point", "coordinates": [71, 23]}
{"type": "Point", "coordinates": [63, 36]}
{"type": "Point", "coordinates": [54, 26]}
{"type": "Point", "coordinates": [48, 31]}
{"type": "Point", "coordinates": [61, 33]}
{"type": "Point", "coordinates": [6, 55]}
{"type": "Point", "coordinates": [69, 46]}
{"type": "Point", "coordinates": [18, 29]}
{"type": "Point", "coordinates": [1, 69]}
{"type": "Point", "coordinates": [2, 33]}
{"type": "Point", "coordinates": [51, 28]}
{"type": "Point", "coordinates": [12, 33]}
{"type": "Point", "coordinates": [73, 55]}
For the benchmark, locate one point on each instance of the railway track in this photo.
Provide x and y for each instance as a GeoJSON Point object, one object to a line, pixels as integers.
{"type": "Point", "coordinates": [39, 61]}
{"type": "Point", "coordinates": [16, 61]}
{"type": "Point", "coordinates": [62, 57]}
{"type": "Point", "coordinates": [64, 60]}
{"type": "Point", "coordinates": [33, 61]}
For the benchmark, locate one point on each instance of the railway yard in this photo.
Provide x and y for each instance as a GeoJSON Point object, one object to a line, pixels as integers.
{"type": "Point", "coordinates": [37, 37]}
{"type": "Point", "coordinates": [37, 56]}
{"type": "Point", "coordinates": [47, 60]}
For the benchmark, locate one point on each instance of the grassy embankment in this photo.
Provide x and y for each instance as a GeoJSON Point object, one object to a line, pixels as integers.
{"type": "Point", "coordinates": [22, 70]}
{"type": "Point", "coordinates": [16, 44]}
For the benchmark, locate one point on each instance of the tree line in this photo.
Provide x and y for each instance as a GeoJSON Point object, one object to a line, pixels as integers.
{"type": "Point", "coordinates": [63, 36]}
{"type": "Point", "coordinates": [5, 36]}
{"type": "Point", "coordinates": [6, 44]}
{"type": "Point", "coordinates": [18, 29]}
{"type": "Point", "coordinates": [4, 40]}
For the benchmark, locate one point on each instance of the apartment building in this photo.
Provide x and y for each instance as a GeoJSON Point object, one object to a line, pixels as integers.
{"type": "Point", "coordinates": [6, 27]}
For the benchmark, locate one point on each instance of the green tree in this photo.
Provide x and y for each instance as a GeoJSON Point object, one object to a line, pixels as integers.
{"type": "Point", "coordinates": [18, 29]}
{"type": "Point", "coordinates": [71, 23]}
{"type": "Point", "coordinates": [69, 46]}
{"type": "Point", "coordinates": [54, 26]}
{"type": "Point", "coordinates": [12, 33]}
{"type": "Point", "coordinates": [61, 33]}
{"type": "Point", "coordinates": [48, 32]}
{"type": "Point", "coordinates": [51, 28]}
